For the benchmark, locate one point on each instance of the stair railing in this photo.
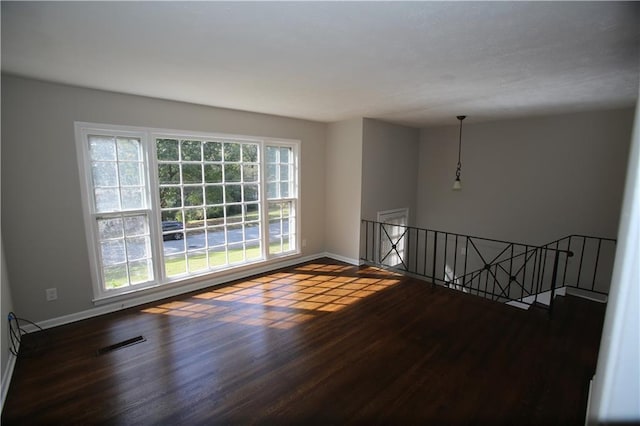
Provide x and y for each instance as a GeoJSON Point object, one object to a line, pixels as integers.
{"type": "Point", "coordinates": [500, 270]}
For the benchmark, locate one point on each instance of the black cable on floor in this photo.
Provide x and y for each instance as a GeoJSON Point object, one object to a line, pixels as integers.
{"type": "Point", "coordinates": [18, 346]}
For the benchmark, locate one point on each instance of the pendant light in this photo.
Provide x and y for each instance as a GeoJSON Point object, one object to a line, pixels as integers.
{"type": "Point", "coordinates": [457, 185]}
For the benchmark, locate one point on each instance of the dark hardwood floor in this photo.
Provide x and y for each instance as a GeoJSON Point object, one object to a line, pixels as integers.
{"type": "Point", "coordinates": [322, 343]}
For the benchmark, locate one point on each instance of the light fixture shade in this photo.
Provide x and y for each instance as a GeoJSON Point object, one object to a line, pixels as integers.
{"type": "Point", "coordinates": [457, 185]}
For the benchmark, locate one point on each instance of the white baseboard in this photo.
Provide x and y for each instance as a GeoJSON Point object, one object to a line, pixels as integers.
{"type": "Point", "coordinates": [109, 307]}
{"type": "Point", "coordinates": [350, 261]}
{"type": "Point", "coordinates": [7, 374]}
{"type": "Point", "coordinates": [586, 294]}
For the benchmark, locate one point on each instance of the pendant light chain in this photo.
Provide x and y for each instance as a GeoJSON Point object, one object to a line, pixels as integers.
{"type": "Point", "coordinates": [457, 185]}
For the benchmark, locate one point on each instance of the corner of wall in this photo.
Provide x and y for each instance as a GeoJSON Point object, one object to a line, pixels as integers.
{"type": "Point", "coordinates": [8, 360]}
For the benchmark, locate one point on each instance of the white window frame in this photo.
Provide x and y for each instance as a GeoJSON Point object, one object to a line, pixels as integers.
{"type": "Point", "coordinates": [147, 137]}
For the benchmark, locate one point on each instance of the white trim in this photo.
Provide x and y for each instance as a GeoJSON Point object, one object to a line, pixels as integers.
{"type": "Point", "coordinates": [7, 374]}
{"type": "Point", "coordinates": [586, 294]}
{"type": "Point", "coordinates": [176, 291]}
{"type": "Point", "coordinates": [147, 135]}
{"type": "Point", "coordinates": [350, 261]}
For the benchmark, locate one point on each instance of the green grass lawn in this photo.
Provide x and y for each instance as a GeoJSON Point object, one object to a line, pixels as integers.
{"type": "Point", "coordinates": [116, 277]}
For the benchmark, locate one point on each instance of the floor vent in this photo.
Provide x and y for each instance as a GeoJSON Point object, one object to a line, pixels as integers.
{"type": "Point", "coordinates": [120, 345]}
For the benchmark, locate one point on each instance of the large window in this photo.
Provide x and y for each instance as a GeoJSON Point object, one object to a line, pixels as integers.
{"type": "Point", "coordinates": [164, 206]}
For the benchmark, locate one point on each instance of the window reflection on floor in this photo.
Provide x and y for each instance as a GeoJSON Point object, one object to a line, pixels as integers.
{"type": "Point", "coordinates": [283, 299]}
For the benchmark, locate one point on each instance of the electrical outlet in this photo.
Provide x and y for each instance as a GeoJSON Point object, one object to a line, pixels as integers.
{"type": "Point", "coordinates": [52, 294]}
{"type": "Point", "coordinates": [304, 242]}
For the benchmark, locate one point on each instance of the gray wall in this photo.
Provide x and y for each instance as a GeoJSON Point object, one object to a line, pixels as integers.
{"type": "Point", "coordinates": [389, 168]}
{"type": "Point", "coordinates": [42, 223]}
{"type": "Point", "coordinates": [528, 180]}
{"type": "Point", "coordinates": [343, 188]}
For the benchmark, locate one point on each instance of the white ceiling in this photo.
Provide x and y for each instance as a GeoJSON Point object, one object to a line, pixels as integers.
{"type": "Point", "coordinates": [414, 63]}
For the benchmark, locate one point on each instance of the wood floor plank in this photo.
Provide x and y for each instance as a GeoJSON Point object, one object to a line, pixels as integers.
{"type": "Point", "coordinates": [319, 343]}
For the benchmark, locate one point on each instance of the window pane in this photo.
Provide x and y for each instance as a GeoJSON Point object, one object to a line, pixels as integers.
{"type": "Point", "coordinates": [113, 252]}
{"type": "Point", "coordinates": [284, 155]}
{"type": "Point", "coordinates": [252, 232]}
{"type": "Point", "coordinates": [213, 195]}
{"type": "Point", "coordinates": [170, 197]}
{"type": "Point", "coordinates": [234, 214]}
{"type": "Point", "coordinates": [109, 228]}
{"type": "Point", "coordinates": [251, 193]}
{"type": "Point", "coordinates": [236, 253]}
{"type": "Point", "coordinates": [284, 189]}
{"type": "Point", "coordinates": [215, 215]}
{"type": "Point", "coordinates": [191, 150]}
{"type": "Point", "coordinates": [193, 215]}
{"type": "Point", "coordinates": [233, 193]}
{"type": "Point", "coordinates": [115, 276]}
{"type": "Point", "coordinates": [195, 240]}
{"type": "Point", "coordinates": [137, 248]}
{"type": "Point", "coordinates": [216, 236]}
{"type": "Point", "coordinates": [250, 153]}
{"type": "Point", "coordinates": [168, 173]}
{"type": "Point", "coordinates": [212, 151]}
{"type": "Point", "coordinates": [191, 173]}
{"type": "Point", "coordinates": [132, 199]}
{"type": "Point", "coordinates": [128, 149]}
{"type": "Point", "coordinates": [252, 212]}
{"type": "Point", "coordinates": [104, 174]}
{"type": "Point", "coordinates": [130, 174]}
{"type": "Point", "coordinates": [217, 257]}
{"type": "Point", "coordinates": [250, 173]}
{"type": "Point", "coordinates": [175, 265]}
{"type": "Point", "coordinates": [234, 234]}
{"type": "Point", "coordinates": [272, 190]}
{"type": "Point", "coordinates": [232, 173]}
{"type": "Point", "coordinates": [284, 172]}
{"type": "Point", "coordinates": [135, 225]}
{"type": "Point", "coordinates": [102, 148]}
{"type": "Point", "coordinates": [272, 172]}
{"type": "Point", "coordinates": [197, 261]}
{"type": "Point", "coordinates": [140, 271]}
{"type": "Point", "coordinates": [193, 196]}
{"type": "Point", "coordinates": [272, 154]}
{"type": "Point", "coordinates": [231, 151]}
{"type": "Point", "coordinates": [107, 200]}
{"type": "Point", "coordinates": [167, 149]}
{"type": "Point", "coordinates": [213, 173]}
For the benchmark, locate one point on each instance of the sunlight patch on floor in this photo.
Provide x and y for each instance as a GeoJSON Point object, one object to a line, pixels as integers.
{"type": "Point", "coordinates": [283, 299]}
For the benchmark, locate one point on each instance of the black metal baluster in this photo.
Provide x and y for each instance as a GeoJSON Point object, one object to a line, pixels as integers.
{"type": "Point", "coordinates": [510, 272]}
{"type": "Point", "coordinates": [366, 240]}
{"type": "Point", "coordinates": [426, 244]}
{"type": "Point", "coordinates": [584, 243]}
{"type": "Point", "coordinates": [435, 250]}
{"type": "Point", "coordinates": [595, 268]}
{"type": "Point", "coordinates": [524, 272]}
{"type": "Point", "coordinates": [444, 261]}
{"type": "Point", "coordinates": [553, 282]}
{"type": "Point", "coordinates": [486, 283]}
{"type": "Point", "coordinates": [455, 259]}
{"type": "Point", "coordinates": [544, 265]}
{"type": "Point", "coordinates": [466, 256]}
{"type": "Point", "coordinates": [566, 263]}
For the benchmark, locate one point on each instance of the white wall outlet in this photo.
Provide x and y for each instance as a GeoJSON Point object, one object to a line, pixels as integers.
{"type": "Point", "coordinates": [52, 294]}
{"type": "Point", "coordinates": [304, 242]}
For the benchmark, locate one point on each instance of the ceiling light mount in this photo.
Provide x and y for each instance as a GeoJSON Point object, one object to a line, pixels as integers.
{"type": "Point", "coordinates": [457, 185]}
